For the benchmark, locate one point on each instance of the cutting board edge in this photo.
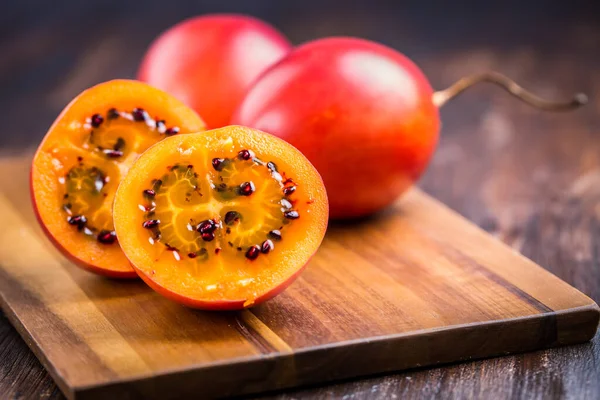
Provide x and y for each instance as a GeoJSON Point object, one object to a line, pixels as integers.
{"type": "Point", "coordinates": [30, 341]}
{"type": "Point", "coordinates": [491, 239]}
{"type": "Point", "coordinates": [588, 315]}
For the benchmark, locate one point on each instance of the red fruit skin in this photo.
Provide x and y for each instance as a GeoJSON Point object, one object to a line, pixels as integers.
{"type": "Point", "coordinates": [220, 305]}
{"type": "Point", "coordinates": [361, 112]}
{"type": "Point", "coordinates": [209, 62]}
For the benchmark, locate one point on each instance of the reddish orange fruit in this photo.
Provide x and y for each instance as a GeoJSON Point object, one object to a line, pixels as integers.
{"type": "Point", "coordinates": [83, 157]}
{"type": "Point", "coordinates": [364, 114]}
{"type": "Point", "coordinates": [210, 61]}
{"type": "Point", "coordinates": [224, 219]}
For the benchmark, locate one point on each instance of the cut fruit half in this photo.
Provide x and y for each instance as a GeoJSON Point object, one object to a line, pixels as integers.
{"type": "Point", "coordinates": [221, 220]}
{"type": "Point", "coordinates": [83, 157]}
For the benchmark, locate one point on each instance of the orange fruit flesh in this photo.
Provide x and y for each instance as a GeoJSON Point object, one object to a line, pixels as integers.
{"type": "Point", "coordinates": [88, 150]}
{"type": "Point", "coordinates": [221, 219]}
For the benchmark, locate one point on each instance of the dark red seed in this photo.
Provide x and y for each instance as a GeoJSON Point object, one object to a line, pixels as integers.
{"type": "Point", "coordinates": [77, 220]}
{"type": "Point", "coordinates": [267, 246]}
{"type": "Point", "coordinates": [192, 255]}
{"type": "Point", "coordinates": [217, 250]}
{"type": "Point", "coordinates": [208, 236]}
{"type": "Point", "coordinates": [247, 188]}
{"type": "Point", "coordinates": [107, 237]}
{"type": "Point", "coordinates": [139, 114]}
{"type": "Point", "coordinates": [97, 120]}
{"type": "Point", "coordinates": [80, 159]}
{"type": "Point", "coordinates": [292, 214]}
{"type": "Point", "coordinates": [218, 163]}
{"type": "Point", "coordinates": [112, 114]}
{"type": "Point", "coordinates": [208, 226]}
{"type": "Point", "coordinates": [272, 166]}
{"type": "Point", "coordinates": [253, 252]}
{"type": "Point", "coordinates": [275, 235]}
{"type": "Point", "coordinates": [113, 153]}
{"type": "Point", "coordinates": [160, 125]}
{"type": "Point", "coordinates": [231, 217]}
{"type": "Point", "coordinates": [151, 223]}
{"type": "Point", "coordinates": [149, 193]}
{"type": "Point", "coordinates": [289, 190]}
{"type": "Point", "coordinates": [119, 144]}
{"type": "Point", "coordinates": [171, 248]}
{"type": "Point", "coordinates": [172, 131]}
{"type": "Point", "coordinates": [245, 155]}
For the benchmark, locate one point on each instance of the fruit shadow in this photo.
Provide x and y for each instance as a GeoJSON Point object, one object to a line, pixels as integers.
{"type": "Point", "coordinates": [359, 225]}
{"type": "Point", "coordinates": [142, 316]}
{"type": "Point", "coordinates": [145, 318]}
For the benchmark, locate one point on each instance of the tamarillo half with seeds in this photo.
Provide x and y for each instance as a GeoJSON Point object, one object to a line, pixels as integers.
{"type": "Point", "coordinates": [83, 157]}
{"type": "Point", "coordinates": [206, 219]}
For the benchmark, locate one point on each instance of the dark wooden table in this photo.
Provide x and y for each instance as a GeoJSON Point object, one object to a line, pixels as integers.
{"type": "Point", "coordinates": [528, 177]}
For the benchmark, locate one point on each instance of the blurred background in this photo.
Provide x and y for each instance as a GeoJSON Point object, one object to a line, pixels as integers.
{"type": "Point", "coordinates": [52, 50]}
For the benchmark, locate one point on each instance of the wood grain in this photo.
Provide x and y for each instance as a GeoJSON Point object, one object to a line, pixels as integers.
{"type": "Point", "coordinates": [414, 286]}
{"type": "Point", "coordinates": [526, 177]}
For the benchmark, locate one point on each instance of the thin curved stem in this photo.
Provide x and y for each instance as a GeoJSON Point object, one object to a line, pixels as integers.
{"type": "Point", "coordinates": [441, 97]}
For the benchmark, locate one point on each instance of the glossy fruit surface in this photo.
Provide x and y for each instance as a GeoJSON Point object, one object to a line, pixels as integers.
{"type": "Point", "coordinates": [361, 112]}
{"type": "Point", "coordinates": [224, 219]}
{"type": "Point", "coordinates": [210, 61]}
{"type": "Point", "coordinates": [81, 160]}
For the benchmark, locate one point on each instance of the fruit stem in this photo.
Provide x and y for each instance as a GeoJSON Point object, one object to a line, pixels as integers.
{"type": "Point", "coordinates": [441, 97]}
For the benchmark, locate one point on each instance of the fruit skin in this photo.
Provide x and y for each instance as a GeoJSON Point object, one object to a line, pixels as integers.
{"type": "Point", "coordinates": [219, 305]}
{"type": "Point", "coordinates": [361, 112]}
{"type": "Point", "coordinates": [289, 263]}
{"type": "Point", "coordinates": [85, 253]}
{"type": "Point", "coordinates": [210, 61]}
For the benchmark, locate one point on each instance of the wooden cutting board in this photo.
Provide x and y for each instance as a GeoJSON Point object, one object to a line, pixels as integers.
{"type": "Point", "coordinates": [418, 285]}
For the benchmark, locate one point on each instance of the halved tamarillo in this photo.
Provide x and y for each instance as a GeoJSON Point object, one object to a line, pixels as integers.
{"type": "Point", "coordinates": [83, 157]}
{"type": "Point", "coordinates": [225, 219]}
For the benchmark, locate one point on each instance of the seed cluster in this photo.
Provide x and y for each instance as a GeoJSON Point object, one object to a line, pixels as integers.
{"type": "Point", "coordinates": [211, 229]}
{"type": "Point", "coordinates": [105, 236]}
{"type": "Point", "coordinates": [81, 181]}
{"type": "Point", "coordinates": [136, 115]}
